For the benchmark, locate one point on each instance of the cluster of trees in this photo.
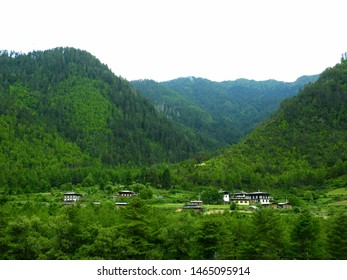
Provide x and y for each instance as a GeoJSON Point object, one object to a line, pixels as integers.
{"type": "Point", "coordinates": [37, 231]}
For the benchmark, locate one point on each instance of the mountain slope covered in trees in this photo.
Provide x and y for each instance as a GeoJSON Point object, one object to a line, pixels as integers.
{"type": "Point", "coordinates": [221, 112]}
{"type": "Point", "coordinates": [63, 114]}
{"type": "Point", "coordinates": [181, 110]}
{"type": "Point", "coordinates": [302, 146]}
{"type": "Point", "coordinates": [78, 97]}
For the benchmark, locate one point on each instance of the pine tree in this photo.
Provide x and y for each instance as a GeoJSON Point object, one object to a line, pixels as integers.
{"type": "Point", "coordinates": [306, 238]}
{"type": "Point", "coordinates": [337, 237]}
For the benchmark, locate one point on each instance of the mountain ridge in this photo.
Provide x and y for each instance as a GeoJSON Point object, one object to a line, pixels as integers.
{"type": "Point", "coordinates": [222, 111]}
{"type": "Point", "coordinates": [302, 146]}
{"type": "Point", "coordinates": [66, 118]}
{"type": "Point", "coordinates": [66, 102]}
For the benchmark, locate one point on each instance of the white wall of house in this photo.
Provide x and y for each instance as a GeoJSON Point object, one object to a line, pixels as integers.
{"type": "Point", "coordinates": [71, 197]}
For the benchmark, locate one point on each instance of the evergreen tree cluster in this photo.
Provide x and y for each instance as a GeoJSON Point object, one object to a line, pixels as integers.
{"type": "Point", "coordinates": [32, 231]}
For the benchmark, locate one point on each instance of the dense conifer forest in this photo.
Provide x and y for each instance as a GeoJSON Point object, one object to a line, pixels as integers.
{"type": "Point", "coordinates": [138, 231]}
{"type": "Point", "coordinates": [67, 123]}
{"type": "Point", "coordinates": [303, 146]}
{"type": "Point", "coordinates": [221, 112]}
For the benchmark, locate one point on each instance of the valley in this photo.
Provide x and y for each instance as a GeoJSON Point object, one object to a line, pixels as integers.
{"type": "Point", "coordinates": [68, 124]}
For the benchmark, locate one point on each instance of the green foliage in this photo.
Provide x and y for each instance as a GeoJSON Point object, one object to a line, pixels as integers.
{"type": "Point", "coordinates": [166, 179]}
{"type": "Point", "coordinates": [233, 206]}
{"type": "Point", "coordinates": [68, 123]}
{"type": "Point", "coordinates": [302, 146]}
{"type": "Point", "coordinates": [64, 114]}
{"type": "Point", "coordinates": [208, 239]}
{"type": "Point", "coordinates": [306, 240]}
{"type": "Point", "coordinates": [41, 230]}
{"type": "Point", "coordinates": [268, 237]}
{"type": "Point", "coordinates": [337, 237]}
{"type": "Point", "coordinates": [146, 193]}
{"type": "Point", "coordinates": [74, 94]}
{"type": "Point", "coordinates": [211, 195]}
{"type": "Point", "coordinates": [211, 110]}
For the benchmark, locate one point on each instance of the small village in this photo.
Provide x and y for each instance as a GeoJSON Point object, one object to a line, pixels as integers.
{"type": "Point", "coordinates": [248, 201]}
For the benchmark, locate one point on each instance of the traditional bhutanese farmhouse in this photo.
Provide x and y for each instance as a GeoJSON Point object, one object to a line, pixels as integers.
{"type": "Point", "coordinates": [71, 197]}
{"type": "Point", "coordinates": [126, 193]}
{"type": "Point", "coordinates": [196, 202]}
{"type": "Point", "coordinates": [259, 197]}
{"type": "Point", "coordinates": [241, 198]}
{"type": "Point", "coordinates": [197, 208]}
{"type": "Point", "coordinates": [284, 205]}
{"type": "Point", "coordinates": [270, 205]}
{"type": "Point", "coordinates": [195, 205]}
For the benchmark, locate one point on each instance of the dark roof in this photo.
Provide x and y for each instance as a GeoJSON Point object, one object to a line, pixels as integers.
{"type": "Point", "coordinates": [72, 193]}
{"type": "Point", "coordinates": [240, 193]}
{"type": "Point", "coordinates": [283, 203]}
{"type": "Point", "coordinates": [254, 193]}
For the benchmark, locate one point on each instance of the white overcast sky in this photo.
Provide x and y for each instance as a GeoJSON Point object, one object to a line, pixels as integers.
{"type": "Point", "coordinates": [166, 39]}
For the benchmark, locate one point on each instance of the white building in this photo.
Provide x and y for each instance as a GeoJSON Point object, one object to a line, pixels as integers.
{"type": "Point", "coordinates": [72, 197]}
{"type": "Point", "coordinates": [259, 197]}
{"type": "Point", "coordinates": [243, 198]}
{"type": "Point", "coordinates": [226, 196]}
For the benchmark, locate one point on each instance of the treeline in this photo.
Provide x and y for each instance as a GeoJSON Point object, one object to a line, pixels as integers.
{"type": "Point", "coordinates": [39, 231]}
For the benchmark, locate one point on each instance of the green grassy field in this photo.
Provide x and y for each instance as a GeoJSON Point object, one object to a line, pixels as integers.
{"type": "Point", "coordinates": [338, 192]}
{"type": "Point", "coordinates": [337, 197]}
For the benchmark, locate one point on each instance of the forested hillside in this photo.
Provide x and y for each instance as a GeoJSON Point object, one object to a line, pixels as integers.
{"type": "Point", "coordinates": [76, 95]}
{"type": "Point", "coordinates": [67, 123]}
{"type": "Point", "coordinates": [302, 146]}
{"type": "Point", "coordinates": [222, 112]}
{"type": "Point", "coordinates": [62, 109]}
{"type": "Point", "coordinates": [181, 110]}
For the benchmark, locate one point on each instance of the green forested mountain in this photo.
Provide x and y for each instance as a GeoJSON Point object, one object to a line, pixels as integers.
{"type": "Point", "coordinates": [62, 109]}
{"type": "Point", "coordinates": [67, 123]}
{"type": "Point", "coordinates": [83, 101]}
{"type": "Point", "coordinates": [222, 112]}
{"type": "Point", "coordinates": [302, 146]}
{"type": "Point", "coordinates": [182, 110]}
